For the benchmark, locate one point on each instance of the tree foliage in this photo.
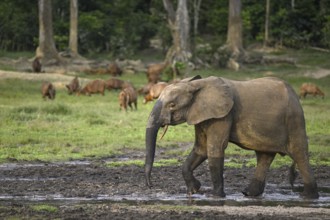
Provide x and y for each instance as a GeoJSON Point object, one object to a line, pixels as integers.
{"type": "Point", "coordinates": [124, 27]}
{"type": "Point", "coordinates": [18, 26]}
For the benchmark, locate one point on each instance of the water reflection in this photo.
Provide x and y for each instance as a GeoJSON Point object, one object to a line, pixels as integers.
{"type": "Point", "coordinates": [272, 199]}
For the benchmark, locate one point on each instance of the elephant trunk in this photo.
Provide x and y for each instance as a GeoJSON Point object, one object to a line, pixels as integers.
{"type": "Point", "coordinates": [151, 137]}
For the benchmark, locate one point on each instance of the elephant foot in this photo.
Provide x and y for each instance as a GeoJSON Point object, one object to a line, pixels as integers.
{"type": "Point", "coordinates": [310, 192]}
{"type": "Point", "coordinates": [219, 193]}
{"type": "Point", "coordinates": [193, 187]}
{"type": "Point", "coordinates": [255, 188]}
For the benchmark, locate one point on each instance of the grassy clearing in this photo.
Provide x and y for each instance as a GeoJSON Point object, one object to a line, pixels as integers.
{"type": "Point", "coordinates": [70, 127]}
{"type": "Point", "coordinates": [73, 127]}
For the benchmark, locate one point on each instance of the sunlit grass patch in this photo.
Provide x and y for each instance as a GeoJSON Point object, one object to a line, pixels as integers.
{"type": "Point", "coordinates": [44, 208]}
{"type": "Point", "coordinates": [121, 163]}
{"type": "Point", "coordinates": [158, 163]}
{"type": "Point", "coordinates": [320, 155]}
{"type": "Point", "coordinates": [167, 162]}
{"type": "Point", "coordinates": [234, 162]}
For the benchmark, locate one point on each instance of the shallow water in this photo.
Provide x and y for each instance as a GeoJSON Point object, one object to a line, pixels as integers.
{"type": "Point", "coordinates": [274, 195]}
{"type": "Point", "coordinates": [281, 197]}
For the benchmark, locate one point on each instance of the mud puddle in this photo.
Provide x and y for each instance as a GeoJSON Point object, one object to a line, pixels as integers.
{"type": "Point", "coordinates": [281, 197]}
{"type": "Point", "coordinates": [274, 199]}
{"type": "Point", "coordinates": [91, 190]}
{"type": "Point", "coordinates": [88, 182]}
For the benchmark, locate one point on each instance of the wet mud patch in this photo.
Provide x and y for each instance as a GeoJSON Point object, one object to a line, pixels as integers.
{"type": "Point", "coordinates": [90, 189]}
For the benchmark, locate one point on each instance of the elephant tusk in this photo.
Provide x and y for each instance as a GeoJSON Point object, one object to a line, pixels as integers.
{"type": "Point", "coordinates": [164, 132]}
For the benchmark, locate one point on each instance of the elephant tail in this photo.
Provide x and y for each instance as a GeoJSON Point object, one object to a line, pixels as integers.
{"type": "Point", "coordinates": [292, 174]}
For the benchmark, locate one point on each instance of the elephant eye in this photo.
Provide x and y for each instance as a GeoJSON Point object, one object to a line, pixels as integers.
{"type": "Point", "coordinates": [171, 106]}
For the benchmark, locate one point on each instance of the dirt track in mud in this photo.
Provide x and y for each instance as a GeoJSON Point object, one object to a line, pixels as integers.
{"type": "Point", "coordinates": [91, 190]}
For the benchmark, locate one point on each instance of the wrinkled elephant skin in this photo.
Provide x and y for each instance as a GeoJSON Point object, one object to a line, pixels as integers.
{"type": "Point", "coordinates": [263, 115]}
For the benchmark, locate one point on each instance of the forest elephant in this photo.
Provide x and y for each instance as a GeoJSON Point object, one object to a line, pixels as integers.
{"type": "Point", "coordinates": [127, 97]}
{"type": "Point", "coordinates": [36, 65]}
{"type": "Point", "coordinates": [310, 88]}
{"type": "Point", "coordinates": [95, 86]}
{"type": "Point", "coordinates": [73, 86]}
{"type": "Point", "coordinates": [154, 92]}
{"type": "Point", "coordinates": [263, 115]}
{"type": "Point", "coordinates": [48, 91]}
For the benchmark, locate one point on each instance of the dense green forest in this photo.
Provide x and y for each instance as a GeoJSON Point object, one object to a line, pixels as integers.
{"type": "Point", "coordinates": [126, 26]}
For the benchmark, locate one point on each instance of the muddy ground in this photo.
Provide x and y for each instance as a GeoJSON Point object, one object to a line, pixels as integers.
{"type": "Point", "coordinates": [92, 190]}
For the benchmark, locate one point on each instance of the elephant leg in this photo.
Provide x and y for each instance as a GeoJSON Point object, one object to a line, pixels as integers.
{"type": "Point", "coordinates": [197, 156]}
{"type": "Point", "coordinates": [257, 184]}
{"type": "Point", "coordinates": [192, 162]}
{"type": "Point", "coordinates": [298, 151]}
{"type": "Point", "coordinates": [310, 186]}
{"type": "Point", "coordinates": [216, 144]}
{"type": "Point", "coordinates": [216, 165]}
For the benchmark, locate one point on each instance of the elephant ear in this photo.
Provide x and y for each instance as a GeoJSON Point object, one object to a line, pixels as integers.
{"type": "Point", "coordinates": [214, 99]}
{"type": "Point", "coordinates": [191, 78]}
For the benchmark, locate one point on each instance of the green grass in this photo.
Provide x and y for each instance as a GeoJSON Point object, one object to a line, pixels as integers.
{"type": "Point", "coordinates": [158, 163]}
{"type": "Point", "coordinates": [82, 127]}
{"type": "Point", "coordinates": [44, 208]}
{"type": "Point", "coordinates": [70, 127]}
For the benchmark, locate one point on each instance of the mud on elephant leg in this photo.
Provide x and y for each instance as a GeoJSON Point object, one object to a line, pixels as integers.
{"type": "Point", "coordinates": [310, 186]}
{"type": "Point", "coordinates": [193, 161]}
{"type": "Point", "coordinates": [216, 166]}
{"type": "Point", "coordinates": [257, 184]}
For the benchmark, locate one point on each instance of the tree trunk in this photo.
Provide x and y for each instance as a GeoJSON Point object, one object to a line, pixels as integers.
{"type": "Point", "coordinates": [266, 40]}
{"type": "Point", "coordinates": [183, 26]}
{"type": "Point", "coordinates": [197, 6]}
{"type": "Point", "coordinates": [234, 34]}
{"type": "Point", "coordinates": [73, 42]}
{"type": "Point", "coordinates": [46, 50]}
{"type": "Point", "coordinates": [232, 53]}
{"type": "Point", "coordinates": [292, 4]}
{"type": "Point", "coordinates": [179, 25]}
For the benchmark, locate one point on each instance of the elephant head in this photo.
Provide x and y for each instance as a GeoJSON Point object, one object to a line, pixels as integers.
{"type": "Point", "coordinates": [191, 100]}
